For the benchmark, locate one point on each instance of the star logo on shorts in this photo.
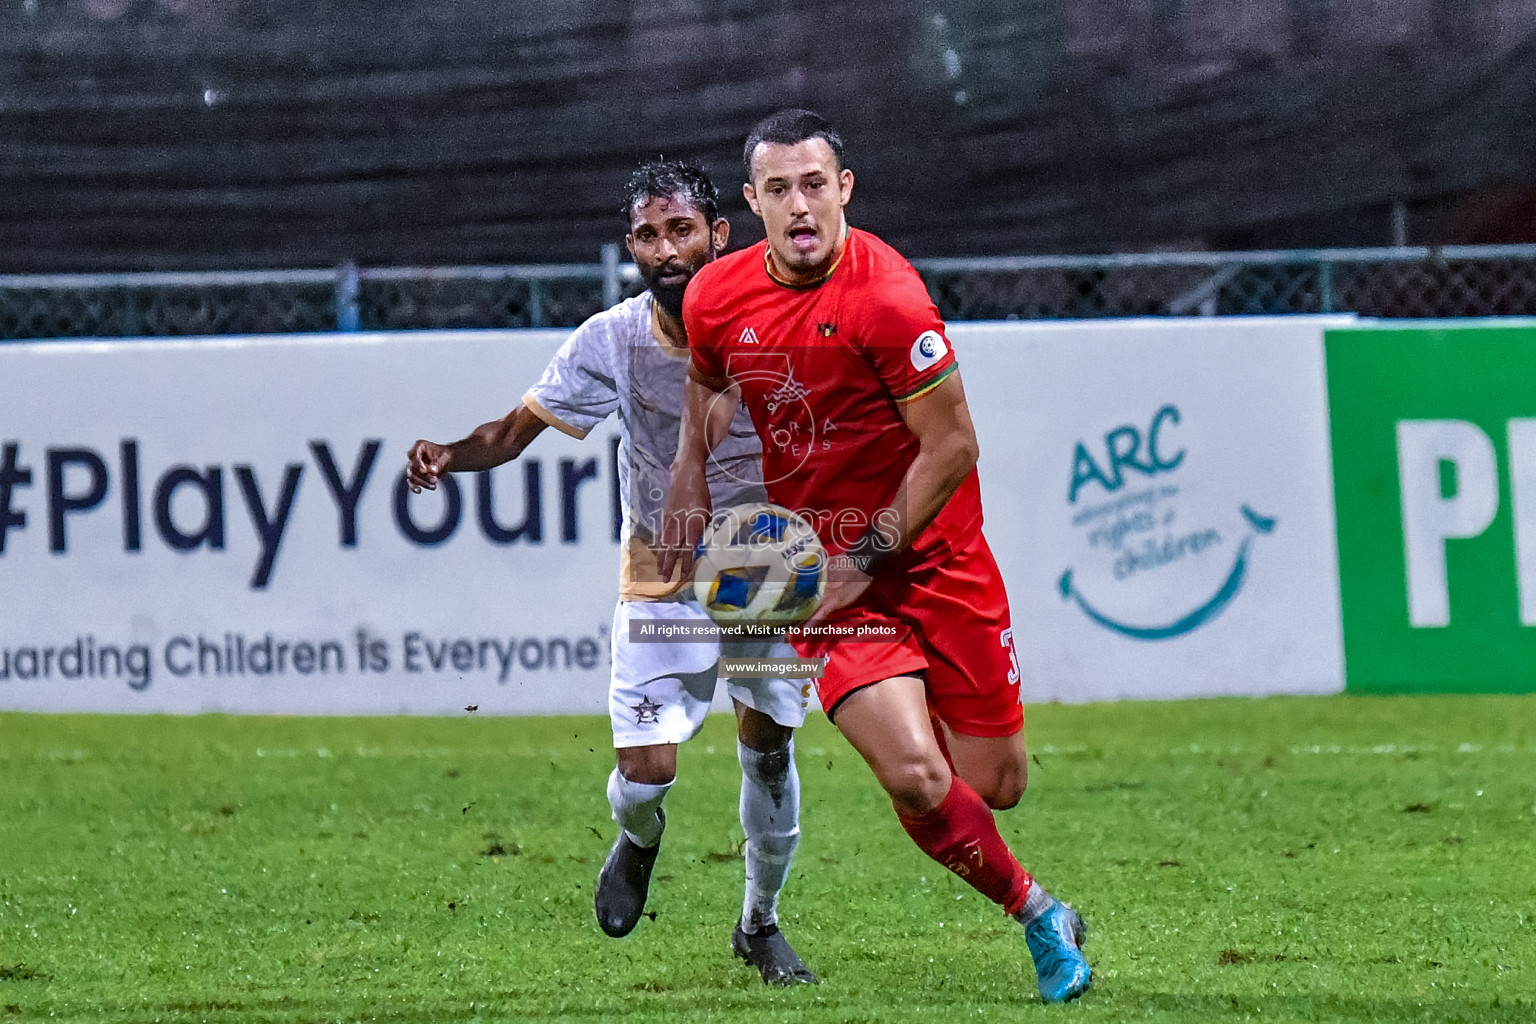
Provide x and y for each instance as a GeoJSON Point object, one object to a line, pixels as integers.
{"type": "Point", "coordinates": [646, 712]}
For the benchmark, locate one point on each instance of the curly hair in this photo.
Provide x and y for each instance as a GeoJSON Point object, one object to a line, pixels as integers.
{"type": "Point", "coordinates": [663, 179]}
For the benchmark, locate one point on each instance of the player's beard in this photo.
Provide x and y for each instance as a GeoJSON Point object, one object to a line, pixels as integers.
{"type": "Point", "coordinates": [669, 295]}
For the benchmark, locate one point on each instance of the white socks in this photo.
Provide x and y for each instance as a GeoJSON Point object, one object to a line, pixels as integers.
{"type": "Point", "coordinates": [637, 808]}
{"type": "Point", "coordinates": [770, 818]}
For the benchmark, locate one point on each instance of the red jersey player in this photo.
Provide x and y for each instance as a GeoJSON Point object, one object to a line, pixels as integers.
{"type": "Point", "coordinates": [829, 337]}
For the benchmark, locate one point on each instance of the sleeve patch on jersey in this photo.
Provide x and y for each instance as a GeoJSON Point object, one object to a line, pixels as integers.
{"type": "Point", "coordinates": [927, 350]}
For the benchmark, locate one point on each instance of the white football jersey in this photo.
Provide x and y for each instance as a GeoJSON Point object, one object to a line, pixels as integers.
{"type": "Point", "coordinates": [615, 362]}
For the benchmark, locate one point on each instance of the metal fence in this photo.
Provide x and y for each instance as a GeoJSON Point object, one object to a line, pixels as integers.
{"type": "Point", "coordinates": [1454, 281]}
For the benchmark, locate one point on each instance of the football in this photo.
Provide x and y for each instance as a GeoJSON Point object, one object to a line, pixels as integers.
{"type": "Point", "coordinates": [759, 563]}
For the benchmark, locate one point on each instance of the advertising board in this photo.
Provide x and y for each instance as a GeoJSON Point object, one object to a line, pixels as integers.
{"type": "Point", "coordinates": [222, 524]}
{"type": "Point", "coordinates": [1434, 450]}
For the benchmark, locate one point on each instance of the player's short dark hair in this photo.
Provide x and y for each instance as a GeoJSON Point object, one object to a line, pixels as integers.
{"type": "Point", "coordinates": [788, 127]}
{"type": "Point", "coordinates": [663, 179]}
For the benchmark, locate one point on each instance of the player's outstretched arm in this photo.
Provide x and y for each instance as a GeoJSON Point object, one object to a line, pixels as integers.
{"type": "Point", "coordinates": [487, 446]}
{"type": "Point", "coordinates": [707, 414]}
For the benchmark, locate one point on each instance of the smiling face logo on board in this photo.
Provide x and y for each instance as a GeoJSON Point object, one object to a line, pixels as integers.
{"type": "Point", "coordinates": [927, 350]}
{"type": "Point", "coordinates": [1146, 571]}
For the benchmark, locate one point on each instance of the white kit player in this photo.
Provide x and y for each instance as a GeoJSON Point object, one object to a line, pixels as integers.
{"type": "Point", "coordinates": [633, 359]}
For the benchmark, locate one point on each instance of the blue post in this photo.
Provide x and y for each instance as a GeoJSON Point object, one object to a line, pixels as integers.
{"type": "Point", "coordinates": [535, 302]}
{"type": "Point", "coordinates": [132, 324]}
{"type": "Point", "coordinates": [610, 274]}
{"type": "Point", "coordinates": [348, 315]}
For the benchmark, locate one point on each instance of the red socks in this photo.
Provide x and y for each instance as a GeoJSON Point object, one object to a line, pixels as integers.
{"type": "Point", "coordinates": [962, 835]}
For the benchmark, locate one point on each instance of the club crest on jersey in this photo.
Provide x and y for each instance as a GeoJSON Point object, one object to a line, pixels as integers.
{"type": "Point", "coordinates": [789, 391]}
{"type": "Point", "coordinates": [826, 330]}
{"type": "Point", "coordinates": [748, 337]}
{"type": "Point", "coordinates": [928, 349]}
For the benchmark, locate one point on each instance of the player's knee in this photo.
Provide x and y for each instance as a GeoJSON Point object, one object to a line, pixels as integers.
{"type": "Point", "coordinates": [771, 766]}
{"type": "Point", "coordinates": [1005, 795]}
{"type": "Point", "coordinates": [917, 786]}
{"type": "Point", "coordinates": [1003, 788]}
{"type": "Point", "coordinates": [650, 775]}
{"type": "Point", "coordinates": [762, 733]}
{"type": "Point", "coordinates": [649, 766]}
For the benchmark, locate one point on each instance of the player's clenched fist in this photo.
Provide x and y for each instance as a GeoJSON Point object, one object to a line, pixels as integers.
{"type": "Point", "coordinates": [426, 462]}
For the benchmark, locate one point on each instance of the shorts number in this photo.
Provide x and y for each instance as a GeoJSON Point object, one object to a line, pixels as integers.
{"type": "Point", "coordinates": [1006, 639]}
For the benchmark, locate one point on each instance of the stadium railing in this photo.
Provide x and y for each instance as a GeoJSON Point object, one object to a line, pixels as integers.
{"type": "Point", "coordinates": [1450, 281]}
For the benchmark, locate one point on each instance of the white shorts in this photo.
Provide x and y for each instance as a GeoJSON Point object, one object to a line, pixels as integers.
{"type": "Point", "coordinates": [660, 692]}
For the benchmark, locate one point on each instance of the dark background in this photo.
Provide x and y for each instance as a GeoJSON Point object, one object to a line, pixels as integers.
{"type": "Point", "coordinates": [184, 134]}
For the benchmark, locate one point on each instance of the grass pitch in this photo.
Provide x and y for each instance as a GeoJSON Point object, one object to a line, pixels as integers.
{"type": "Point", "coordinates": [1338, 859]}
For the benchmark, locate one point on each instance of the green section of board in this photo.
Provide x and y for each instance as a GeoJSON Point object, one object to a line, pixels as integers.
{"type": "Point", "coordinates": [1479, 376]}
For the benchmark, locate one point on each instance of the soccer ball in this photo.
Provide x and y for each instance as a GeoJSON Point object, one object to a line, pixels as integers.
{"type": "Point", "coordinates": [759, 563]}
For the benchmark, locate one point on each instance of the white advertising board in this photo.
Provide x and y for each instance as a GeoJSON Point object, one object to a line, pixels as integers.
{"type": "Point", "coordinates": [219, 524]}
{"type": "Point", "coordinates": [1159, 496]}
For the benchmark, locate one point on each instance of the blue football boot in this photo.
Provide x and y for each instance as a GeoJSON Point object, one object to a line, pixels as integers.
{"type": "Point", "coordinates": [1055, 940]}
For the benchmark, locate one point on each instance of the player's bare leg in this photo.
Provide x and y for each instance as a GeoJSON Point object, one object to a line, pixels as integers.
{"type": "Point", "coordinates": [996, 767]}
{"type": "Point", "coordinates": [770, 819]}
{"type": "Point", "coordinates": [636, 790]}
{"type": "Point", "coordinates": [888, 723]}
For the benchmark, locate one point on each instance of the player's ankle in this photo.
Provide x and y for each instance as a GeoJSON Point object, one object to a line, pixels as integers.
{"type": "Point", "coordinates": [1036, 902]}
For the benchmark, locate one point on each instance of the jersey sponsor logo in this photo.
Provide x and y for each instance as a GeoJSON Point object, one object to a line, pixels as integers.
{"type": "Point", "coordinates": [748, 337]}
{"type": "Point", "coordinates": [927, 350]}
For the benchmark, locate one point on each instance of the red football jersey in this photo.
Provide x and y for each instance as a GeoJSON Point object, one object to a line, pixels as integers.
{"type": "Point", "coordinates": [822, 369]}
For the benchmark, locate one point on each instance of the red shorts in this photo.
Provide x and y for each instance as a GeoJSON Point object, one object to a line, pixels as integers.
{"type": "Point", "coordinates": [949, 623]}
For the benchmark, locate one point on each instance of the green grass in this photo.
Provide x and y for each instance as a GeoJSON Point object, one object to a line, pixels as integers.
{"type": "Point", "coordinates": [1339, 859]}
